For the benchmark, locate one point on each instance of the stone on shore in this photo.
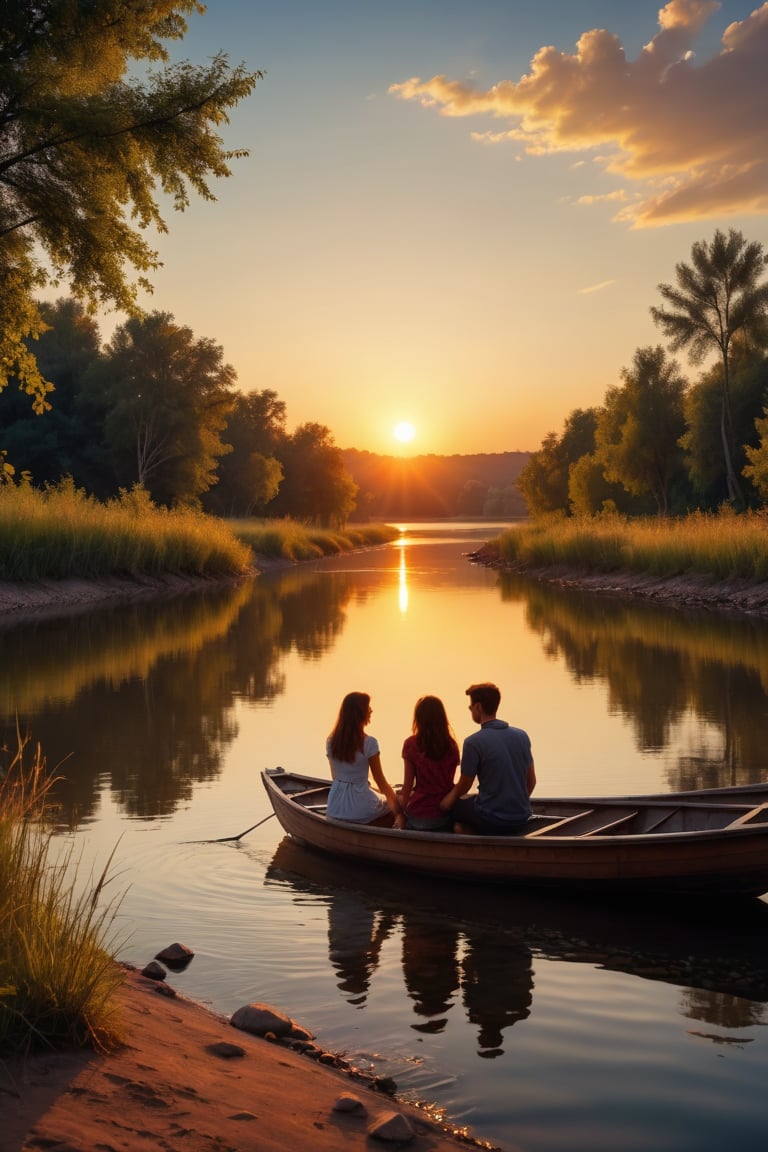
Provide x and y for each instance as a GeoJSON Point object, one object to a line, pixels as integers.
{"type": "Point", "coordinates": [175, 955]}
{"type": "Point", "coordinates": [154, 971]}
{"type": "Point", "coordinates": [391, 1126]}
{"type": "Point", "coordinates": [261, 1020]}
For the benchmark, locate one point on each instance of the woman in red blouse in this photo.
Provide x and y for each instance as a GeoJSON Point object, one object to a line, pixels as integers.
{"type": "Point", "coordinates": [431, 756]}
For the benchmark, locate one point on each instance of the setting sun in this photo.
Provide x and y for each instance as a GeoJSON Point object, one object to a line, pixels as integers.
{"type": "Point", "coordinates": [404, 431]}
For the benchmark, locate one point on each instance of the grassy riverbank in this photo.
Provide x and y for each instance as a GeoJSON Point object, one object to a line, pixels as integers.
{"type": "Point", "coordinates": [288, 540]}
{"type": "Point", "coordinates": [721, 547]}
{"type": "Point", "coordinates": [57, 973]}
{"type": "Point", "coordinates": [61, 533]}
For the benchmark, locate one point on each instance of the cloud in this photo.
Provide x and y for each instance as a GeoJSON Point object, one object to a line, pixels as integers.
{"type": "Point", "coordinates": [596, 287]}
{"type": "Point", "coordinates": [604, 197]}
{"type": "Point", "coordinates": [689, 136]}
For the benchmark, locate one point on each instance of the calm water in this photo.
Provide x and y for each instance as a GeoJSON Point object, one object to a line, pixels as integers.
{"type": "Point", "coordinates": [538, 1023]}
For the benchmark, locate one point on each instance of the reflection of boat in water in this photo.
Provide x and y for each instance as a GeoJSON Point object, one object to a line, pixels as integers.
{"type": "Point", "coordinates": [444, 963]}
{"type": "Point", "coordinates": [719, 949]}
{"type": "Point", "coordinates": [657, 843]}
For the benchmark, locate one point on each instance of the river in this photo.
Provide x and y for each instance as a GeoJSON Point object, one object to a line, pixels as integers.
{"type": "Point", "coordinates": [537, 1023]}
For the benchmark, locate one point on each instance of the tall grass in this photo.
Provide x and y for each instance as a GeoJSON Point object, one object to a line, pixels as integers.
{"type": "Point", "coordinates": [57, 969]}
{"type": "Point", "coordinates": [62, 532]}
{"type": "Point", "coordinates": [290, 540]}
{"type": "Point", "coordinates": [723, 546]}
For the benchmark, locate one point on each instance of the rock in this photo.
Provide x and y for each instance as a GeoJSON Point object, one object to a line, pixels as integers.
{"type": "Point", "coordinates": [299, 1033]}
{"type": "Point", "coordinates": [260, 1019]}
{"type": "Point", "coordinates": [165, 990]}
{"type": "Point", "coordinates": [385, 1084]}
{"type": "Point", "coordinates": [392, 1126]}
{"type": "Point", "coordinates": [226, 1051]}
{"type": "Point", "coordinates": [176, 956]}
{"type": "Point", "coordinates": [154, 971]}
{"type": "Point", "coordinates": [348, 1102]}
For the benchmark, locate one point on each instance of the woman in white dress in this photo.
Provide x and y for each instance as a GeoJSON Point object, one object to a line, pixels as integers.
{"type": "Point", "coordinates": [352, 754]}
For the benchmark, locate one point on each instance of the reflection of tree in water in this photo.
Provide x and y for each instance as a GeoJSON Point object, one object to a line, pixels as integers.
{"type": "Point", "coordinates": [497, 985]}
{"type": "Point", "coordinates": [141, 696]}
{"type": "Point", "coordinates": [659, 664]}
{"type": "Point", "coordinates": [356, 932]}
{"type": "Point", "coordinates": [430, 968]}
{"type": "Point", "coordinates": [313, 610]}
{"type": "Point", "coordinates": [722, 1009]}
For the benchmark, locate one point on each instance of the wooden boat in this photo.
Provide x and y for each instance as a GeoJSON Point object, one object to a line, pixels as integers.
{"type": "Point", "coordinates": [653, 843]}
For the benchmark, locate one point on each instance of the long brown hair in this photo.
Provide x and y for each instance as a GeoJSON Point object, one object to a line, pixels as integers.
{"type": "Point", "coordinates": [347, 735]}
{"type": "Point", "coordinates": [433, 733]}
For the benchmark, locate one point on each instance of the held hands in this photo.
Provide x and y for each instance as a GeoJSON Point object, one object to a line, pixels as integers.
{"type": "Point", "coordinates": [448, 800]}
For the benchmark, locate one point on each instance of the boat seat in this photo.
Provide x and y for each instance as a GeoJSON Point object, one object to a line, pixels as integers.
{"type": "Point", "coordinates": [545, 829]}
{"type": "Point", "coordinates": [610, 825]}
{"type": "Point", "coordinates": [758, 815]}
{"type": "Point", "coordinates": [588, 823]}
{"type": "Point", "coordinates": [300, 797]}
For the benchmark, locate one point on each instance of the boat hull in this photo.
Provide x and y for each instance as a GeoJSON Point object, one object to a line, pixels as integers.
{"type": "Point", "coordinates": [711, 860]}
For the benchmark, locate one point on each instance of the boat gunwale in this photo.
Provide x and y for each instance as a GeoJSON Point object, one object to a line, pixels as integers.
{"type": "Point", "coordinates": [539, 839]}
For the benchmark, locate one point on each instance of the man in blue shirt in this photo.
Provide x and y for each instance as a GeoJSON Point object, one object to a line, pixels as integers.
{"type": "Point", "coordinates": [499, 757]}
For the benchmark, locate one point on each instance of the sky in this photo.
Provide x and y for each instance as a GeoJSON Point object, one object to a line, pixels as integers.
{"type": "Point", "coordinates": [455, 214]}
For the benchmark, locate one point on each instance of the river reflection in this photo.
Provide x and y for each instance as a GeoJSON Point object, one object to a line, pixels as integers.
{"type": "Point", "coordinates": [662, 664]}
{"type": "Point", "coordinates": [542, 1024]}
{"type": "Point", "coordinates": [476, 947]}
{"type": "Point", "coordinates": [146, 693]}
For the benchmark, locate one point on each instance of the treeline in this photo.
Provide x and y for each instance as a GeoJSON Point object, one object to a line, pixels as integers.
{"type": "Point", "coordinates": [418, 487]}
{"type": "Point", "coordinates": [157, 408]}
{"type": "Point", "coordinates": [659, 443]}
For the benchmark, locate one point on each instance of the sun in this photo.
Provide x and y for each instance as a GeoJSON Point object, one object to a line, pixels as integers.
{"type": "Point", "coordinates": [404, 431]}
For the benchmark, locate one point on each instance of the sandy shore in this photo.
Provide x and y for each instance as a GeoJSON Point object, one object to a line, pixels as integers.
{"type": "Point", "coordinates": [173, 1086]}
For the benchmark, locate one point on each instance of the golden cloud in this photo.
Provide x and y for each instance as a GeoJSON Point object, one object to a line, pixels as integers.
{"type": "Point", "coordinates": [691, 136]}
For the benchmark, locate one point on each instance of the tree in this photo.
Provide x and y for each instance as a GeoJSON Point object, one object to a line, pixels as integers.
{"type": "Point", "coordinates": [471, 498]}
{"type": "Point", "coordinates": [316, 487]}
{"type": "Point", "coordinates": [502, 502]}
{"type": "Point", "coordinates": [85, 152]}
{"type": "Point", "coordinates": [701, 441]}
{"type": "Point", "coordinates": [250, 475]}
{"type": "Point", "coordinates": [716, 298]}
{"type": "Point", "coordinates": [544, 479]}
{"type": "Point", "coordinates": [757, 468]}
{"type": "Point", "coordinates": [589, 491]}
{"type": "Point", "coordinates": [165, 398]}
{"type": "Point", "coordinates": [640, 425]}
{"type": "Point", "coordinates": [53, 443]}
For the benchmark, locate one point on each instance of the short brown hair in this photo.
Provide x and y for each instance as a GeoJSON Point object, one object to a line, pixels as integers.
{"type": "Point", "coordinates": [487, 695]}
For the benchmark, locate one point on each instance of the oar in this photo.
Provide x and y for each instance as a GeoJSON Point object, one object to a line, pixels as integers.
{"type": "Point", "coordinates": [229, 839]}
{"type": "Point", "coordinates": [226, 839]}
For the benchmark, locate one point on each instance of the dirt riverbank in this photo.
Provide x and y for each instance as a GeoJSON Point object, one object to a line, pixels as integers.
{"type": "Point", "coordinates": [186, 1080]}
{"type": "Point", "coordinates": [21, 599]}
{"type": "Point", "coordinates": [685, 591]}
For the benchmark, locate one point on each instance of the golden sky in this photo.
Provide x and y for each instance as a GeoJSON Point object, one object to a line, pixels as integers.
{"type": "Point", "coordinates": [456, 215]}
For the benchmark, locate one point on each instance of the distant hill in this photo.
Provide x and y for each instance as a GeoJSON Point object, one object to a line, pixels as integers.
{"type": "Point", "coordinates": [417, 487]}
